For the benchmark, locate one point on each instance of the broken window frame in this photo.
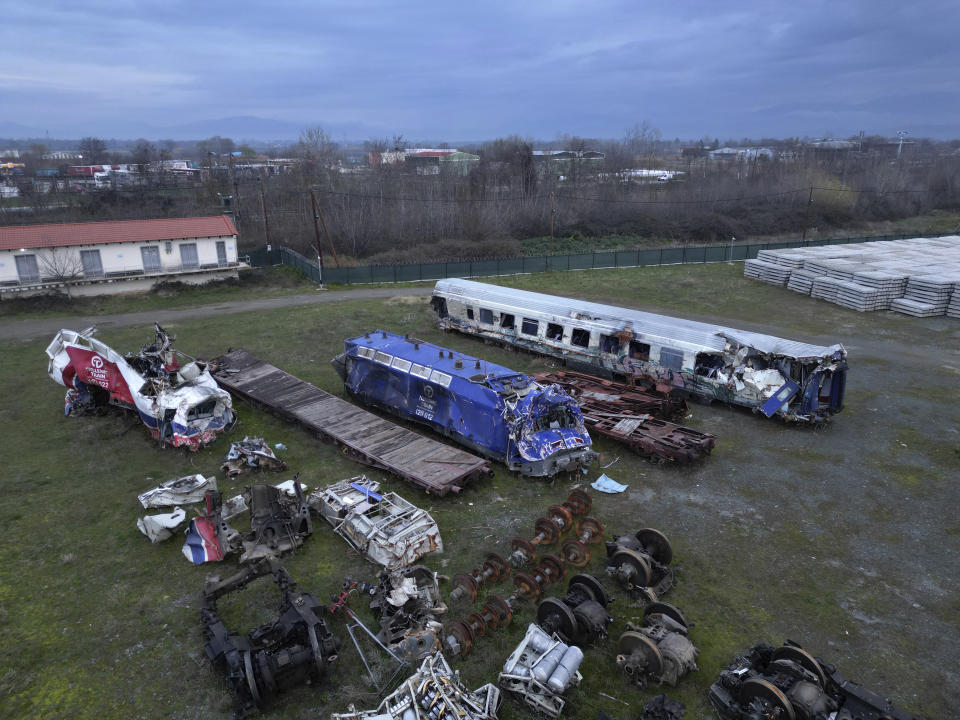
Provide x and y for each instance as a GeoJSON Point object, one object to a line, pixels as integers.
{"type": "Point", "coordinates": [508, 321]}
{"type": "Point", "coordinates": [555, 332]}
{"type": "Point", "coordinates": [580, 337]}
{"type": "Point", "coordinates": [486, 316]}
{"type": "Point", "coordinates": [527, 323]}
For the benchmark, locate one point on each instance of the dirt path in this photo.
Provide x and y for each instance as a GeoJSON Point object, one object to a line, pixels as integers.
{"type": "Point", "coordinates": [34, 327]}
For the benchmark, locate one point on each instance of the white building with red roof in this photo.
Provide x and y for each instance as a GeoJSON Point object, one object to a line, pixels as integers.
{"type": "Point", "coordinates": [95, 258]}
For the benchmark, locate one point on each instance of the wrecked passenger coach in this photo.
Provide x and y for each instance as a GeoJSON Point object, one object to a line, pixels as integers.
{"type": "Point", "coordinates": [179, 402]}
{"type": "Point", "coordinates": [785, 378]}
{"type": "Point", "coordinates": [505, 415]}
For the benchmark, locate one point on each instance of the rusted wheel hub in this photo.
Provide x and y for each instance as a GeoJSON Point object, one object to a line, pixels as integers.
{"type": "Point", "coordinates": [590, 530]}
{"type": "Point", "coordinates": [468, 585]}
{"type": "Point", "coordinates": [462, 636]}
{"type": "Point", "coordinates": [548, 529]}
{"type": "Point", "coordinates": [478, 624]}
{"type": "Point", "coordinates": [496, 567]}
{"type": "Point", "coordinates": [575, 552]}
{"type": "Point", "coordinates": [522, 548]}
{"type": "Point", "coordinates": [560, 516]}
{"type": "Point", "coordinates": [499, 610]}
{"type": "Point", "coordinates": [527, 587]}
{"type": "Point", "coordinates": [552, 567]}
{"type": "Point", "coordinates": [579, 502]}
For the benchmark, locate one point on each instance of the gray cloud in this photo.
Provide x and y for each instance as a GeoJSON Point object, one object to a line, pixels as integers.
{"type": "Point", "coordinates": [477, 71]}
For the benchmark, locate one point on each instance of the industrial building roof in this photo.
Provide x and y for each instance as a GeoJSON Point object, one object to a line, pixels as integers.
{"type": "Point", "coordinates": [16, 237]}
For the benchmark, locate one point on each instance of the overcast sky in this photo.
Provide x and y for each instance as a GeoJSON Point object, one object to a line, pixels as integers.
{"type": "Point", "coordinates": [472, 71]}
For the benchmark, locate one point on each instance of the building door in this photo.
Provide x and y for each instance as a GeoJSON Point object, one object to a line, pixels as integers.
{"type": "Point", "coordinates": [27, 268]}
{"type": "Point", "coordinates": [92, 267]}
{"type": "Point", "coordinates": [151, 258]}
{"type": "Point", "coordinates": [188, 256]}
{"type": "Point", "coordinates": [221, 253]}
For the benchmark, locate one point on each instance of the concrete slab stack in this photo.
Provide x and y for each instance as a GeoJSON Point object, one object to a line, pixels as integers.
{"type": "Point", "coordinates": [917, 276]}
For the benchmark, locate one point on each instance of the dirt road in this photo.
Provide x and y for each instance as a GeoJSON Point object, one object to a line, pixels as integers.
{"type": "Point", "coordinates": [28, 328]}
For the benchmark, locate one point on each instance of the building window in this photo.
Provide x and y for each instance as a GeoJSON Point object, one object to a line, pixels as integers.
{"type": "Point", "coordinates": [610, 344]}
{"type": "Point", "coordinates": [529, 327]}
{"type": "Point", "coordinates": [151, 258]}
{"type": "Point", "coordinates": [469, 313]}
{"type": "Point", "coordinates": [580, 337]}
{"type": "Point", "coordinates": [92, 266]}
{"type": "Point", "coordinates": [27, 269]}
{"type": "Point", "coordinates": [506, 321]}
{"type": "Point", "coordinates": [221, 253]}
{"type": "Point", "coordinates": [486, 316]}
{"type": "Point", "coordinates": [188, 256]}
{"type": "Point", "coordinates": [554, 332]}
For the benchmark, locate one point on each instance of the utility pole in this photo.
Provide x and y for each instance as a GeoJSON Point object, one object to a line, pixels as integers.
{"type": "Point", "coordinates": [266, 222]}
{"type": "Point", "coordinates": [553, 215]}
{"type": "Point", "coordinates": [806, 217]}
{"type": "Point", "coordinates": [319, 215]}
{"type": "Point", "coordinates": [901, 133]}
{"type": "Point", "coordinates": [316, 234]}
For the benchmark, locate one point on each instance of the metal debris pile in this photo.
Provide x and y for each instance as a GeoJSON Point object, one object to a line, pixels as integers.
{"type": "Point", "coordinates": [251, 454]}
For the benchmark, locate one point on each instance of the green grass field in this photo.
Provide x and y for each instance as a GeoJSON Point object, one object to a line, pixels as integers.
{"type": "Point", "coordinates": [836, 538]}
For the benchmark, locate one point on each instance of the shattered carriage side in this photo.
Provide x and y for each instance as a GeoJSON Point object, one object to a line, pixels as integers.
{"type": "Point", "coordinates": [792, 380]}
{"type": "Point", "coordinates": [174, 394]}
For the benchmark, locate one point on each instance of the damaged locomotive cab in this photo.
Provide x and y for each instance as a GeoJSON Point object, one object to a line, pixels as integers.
{"type": "Point", "coordinates": [179, 402]}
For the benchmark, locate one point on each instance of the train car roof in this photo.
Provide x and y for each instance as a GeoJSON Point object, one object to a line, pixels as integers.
{"type": "Point", "coordinates": [691, 332]}
{"type": "Point", "coordinates": [436, 357]}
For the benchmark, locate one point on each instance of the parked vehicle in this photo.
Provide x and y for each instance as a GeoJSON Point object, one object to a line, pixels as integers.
{"type": "Point", "coordinates": [793, 380]}
{"type": "Point", "coordinates": [500, 413]}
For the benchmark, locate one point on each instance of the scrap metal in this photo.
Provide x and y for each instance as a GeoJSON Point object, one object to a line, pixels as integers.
{"type": "Point", "coordinates": [659, 649]}
{"type": "Point", "coordinates": [434, 692]}
{"type": "Point", "coordinates": [540, 670]}
{"type": "Point", "coordinates": [179, 402]}
{"type": "Point", "coordinates": [788, 682]}
{"type": "Point", "coordinates": [278, 523]}
{"type": "Point", "coordinates": [410, 608]}
{"type": "Point", "coordinates": [640, 564]}
{"type": "Point", "coordinates": [385, 529]}
{"type": "Point", "coordinates": [634, 418]}
{"type": "Point", "coordinates": [161, 526]}
{"type": "Point", "coordinates": [294, 649]}
{"type": "Point", "coordinates": [179, 491]}
{"type": "Point", "coordinates": [579, 617]}
{"type": "Point", "coordinates": [251, 453]}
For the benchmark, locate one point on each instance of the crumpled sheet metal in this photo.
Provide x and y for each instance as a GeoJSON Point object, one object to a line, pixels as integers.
{"type": "Point", "coordinates": [385, 529]}
{"type": "Point", "coordinates": [251, 453]}
{"type": "Point", "coordinates": [179, 491]}
{"type": "Point", "coordinates": [434, 691]}
{"type": "Point", "coordinates": [160, 527]}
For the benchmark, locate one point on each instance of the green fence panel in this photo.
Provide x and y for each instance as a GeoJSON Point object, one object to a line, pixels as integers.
{"type": "Point", "coordinates": [716, 253]}
{"type": "Point", "coordinates": [433, 271]}
{"type": "Point", "coordinates": [536, 264]}
{"type": "Point", "coordinates": [671, 256]}
{"type": "Point", "coordinates": [605, 259]}
{"type": "Point", "coordinates": [484, 268]}
{"type": "Point", "coordinates": [336, 275]}
{"type": "Point", "coordinates": [383, 273]}
{"type": "Point", "coordinates": [695, 254]}
{"type": "Point", "coordinates": [625, 258]}
{"type": "Point", "coordinates": [458, 269]}
{"type": "Point", "coordinates": [406, 273]}
{"type": "Point", "coordinates": [648, 257]}
{"type": "Point", "coordinates": [580, 261]}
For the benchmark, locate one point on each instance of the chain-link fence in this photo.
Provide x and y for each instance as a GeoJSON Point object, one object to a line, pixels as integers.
{"type": "Point", "coordinates": [602, 259]}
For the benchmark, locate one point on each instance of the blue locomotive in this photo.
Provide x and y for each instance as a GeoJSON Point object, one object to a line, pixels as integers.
{"type": "Point", "coordinates": [501, 414]}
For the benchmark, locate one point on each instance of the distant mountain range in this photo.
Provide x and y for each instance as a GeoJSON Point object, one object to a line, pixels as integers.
{"type": "Point", "coordinates": [240, 128]}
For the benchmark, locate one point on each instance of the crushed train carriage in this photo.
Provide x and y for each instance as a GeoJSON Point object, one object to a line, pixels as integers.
{"type": "Point", "coordinates": [179, 402]}
{"type": "Point", "coordinates": [789, 379]}
{"type": "Point", "coordinates": [500, 413]}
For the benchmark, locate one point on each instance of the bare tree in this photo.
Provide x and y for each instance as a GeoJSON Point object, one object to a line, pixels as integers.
{"type": "Point", "coordinates": [61, 265]}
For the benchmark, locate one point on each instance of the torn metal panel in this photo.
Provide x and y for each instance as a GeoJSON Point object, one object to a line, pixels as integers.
{"type": "Point", "coordinates": [623, 413]}
{"type": "Point", "coordinates": [294, 649]}
{"type": "Point", "coordinates": [385, 529]}
{"type": "Point", "coordinates": [174, 395]}
{"type": "Point", "coordinates": [179, 491]}
{"type": "Point", "coordinates": [251, 454]}
{"type": "Point", "coordinates": [234, 506]}
{"type": "Point", "coordinates": [160, 527]}
{"type": "Point", "coordinates": [789, 682]}
{"type": "Point", "coordinates": [433, 692]}
{"type": "Point", "coordinates": [209, 538]}
{"type": "Point", "coordinates": [540, 670]}
{"type": "Point", "coordinates": [693, 358]}
{"type": "Point", "coordinates": [410, 608]}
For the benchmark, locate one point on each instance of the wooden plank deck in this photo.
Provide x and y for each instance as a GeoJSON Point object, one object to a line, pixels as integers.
{"type": "Point", "coordinates": [421, 461]}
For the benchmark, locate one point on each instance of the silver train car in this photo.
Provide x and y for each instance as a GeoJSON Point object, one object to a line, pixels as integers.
{"type": "Point", "coordinates": [788, 379]}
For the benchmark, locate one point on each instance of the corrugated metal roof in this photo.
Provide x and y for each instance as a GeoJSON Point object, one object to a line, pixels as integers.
{"type": "Point", "coordinates": [116, 231]}
{"type": "Point", "coordinates": [694, 335]}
